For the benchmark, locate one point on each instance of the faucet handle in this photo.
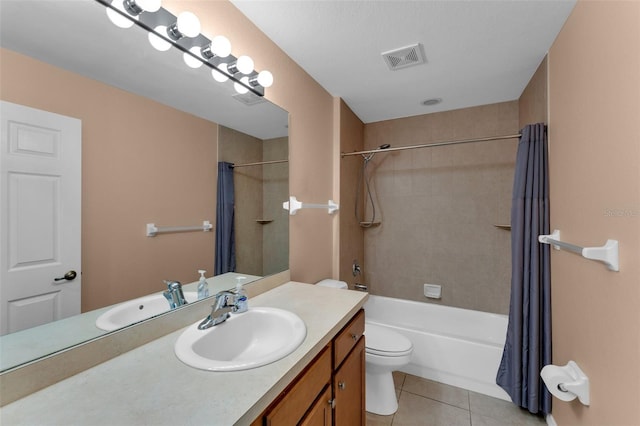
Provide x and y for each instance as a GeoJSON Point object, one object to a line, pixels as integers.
{"type": "Point", "coordinates": [174, 294]}
{"type": "Point", "coordinates": [172, 284]}
{"type": "Point", "coordinates": [225, 299]}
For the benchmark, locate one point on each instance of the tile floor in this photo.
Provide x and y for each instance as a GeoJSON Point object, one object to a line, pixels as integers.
{"type": "Point", "coordinates": [424, 402]}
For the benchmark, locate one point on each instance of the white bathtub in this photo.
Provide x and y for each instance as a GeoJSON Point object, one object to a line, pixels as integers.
{"type": "Point", "coordinates": [455, 346]}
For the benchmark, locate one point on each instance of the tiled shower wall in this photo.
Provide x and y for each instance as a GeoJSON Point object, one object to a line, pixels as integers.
{"type": "Point", "coordinates": [236, 147]}
{"type": "Point", "coordinates": [439, 208]}
{"type": "Point", "coordinates": [261, 248]}
{"type": "Point", "coordinates": [275, 235]}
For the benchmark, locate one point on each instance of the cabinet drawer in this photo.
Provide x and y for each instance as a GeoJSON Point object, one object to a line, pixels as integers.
{"type": "Point", "coordinates": [348, 338]}
{"type": "Point", "coordinates": [295, 402]}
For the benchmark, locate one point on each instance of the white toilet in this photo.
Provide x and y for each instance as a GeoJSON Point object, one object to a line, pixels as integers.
{"type": "Point", "coordinates": [385, 351]}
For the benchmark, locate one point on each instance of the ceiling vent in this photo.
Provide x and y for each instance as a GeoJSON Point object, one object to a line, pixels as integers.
{"type": "Point", "coordinates": [248, 98]}
{"type": "Point", "coordinates": [404, 57]}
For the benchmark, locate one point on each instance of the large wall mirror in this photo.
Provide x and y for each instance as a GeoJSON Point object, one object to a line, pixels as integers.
{"type": "Point", "coordinates": [153, 131]}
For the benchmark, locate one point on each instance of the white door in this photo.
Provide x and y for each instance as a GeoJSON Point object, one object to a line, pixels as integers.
{"type": "Point", "coordinates": [40, 184]}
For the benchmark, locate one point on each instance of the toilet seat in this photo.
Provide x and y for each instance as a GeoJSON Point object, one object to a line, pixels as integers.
{"type": "Point", "coordinates": [384, 342]}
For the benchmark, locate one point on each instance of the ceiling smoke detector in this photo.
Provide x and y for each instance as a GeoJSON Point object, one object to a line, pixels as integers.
{"type": "Point", "coordinates": [404, 57]}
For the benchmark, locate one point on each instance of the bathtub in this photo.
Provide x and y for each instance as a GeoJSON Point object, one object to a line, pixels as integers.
{"type": "Point", "coordinates": [458, 347]}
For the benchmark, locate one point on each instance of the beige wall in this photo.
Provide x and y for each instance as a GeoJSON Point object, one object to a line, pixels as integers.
{"type": "Point", "coordinates": [351, 235]}
{"type": "Point", "coordinates": [438, 208]}
{"type": "Point", "coordinates": [532, 105]}
{"type": "Point", "coordinates": [594, 137]}
{"type": "Point", "coordinates": [310, 131]}
{"type": "Point", "coordinates": [142, 162]}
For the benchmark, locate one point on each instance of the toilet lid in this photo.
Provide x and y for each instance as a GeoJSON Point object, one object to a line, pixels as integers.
{"type": "Point", "coordinates": [385, 342]}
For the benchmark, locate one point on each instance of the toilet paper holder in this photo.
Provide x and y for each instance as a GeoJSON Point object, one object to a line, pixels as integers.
{"type": "Point", "coordinates": [574, 384]}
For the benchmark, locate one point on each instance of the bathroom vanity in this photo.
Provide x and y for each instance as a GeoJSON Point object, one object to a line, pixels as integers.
{"type": "Point", "coordinates": [149, 385]}
{"type": "Point", "coordinates": [333, 383]}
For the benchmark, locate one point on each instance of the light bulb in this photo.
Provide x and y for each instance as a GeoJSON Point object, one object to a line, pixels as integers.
{"type": "Point", "coordinates": [221, 46]}
{"type": "Point", "coordinates": [240, 88]}
{"type": "Point", "coordinates": [117, 19]}
{"type": "Point", "coordinates": [220, 76]}
{"type": "Point", "coordinates": [188, 24]}
{"type": "Point", "coordinates": [244, 64]}
{"type": "Point", "coordinates": [157, 42]}
{"type": "Point", "coordinates": [149, 5]}
{"type": "Point", "coordinates": [265, 78]}
{"type": "Point", "coordinates": [190, 60]}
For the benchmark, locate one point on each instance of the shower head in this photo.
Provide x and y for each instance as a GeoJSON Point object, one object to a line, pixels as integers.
{"type": "Point", "coordinates": [367, 158]}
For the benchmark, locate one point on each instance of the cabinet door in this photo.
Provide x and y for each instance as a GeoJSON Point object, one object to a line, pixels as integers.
{"type": "Point", "coordinates": [348, 389]}
{"type": "Point", "coordinates": [296, 399]}
{"type": "Point", "coordinates": [320, 413]}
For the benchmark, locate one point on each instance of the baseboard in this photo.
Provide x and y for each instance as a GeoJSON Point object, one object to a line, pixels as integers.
{"type": "Point", "coordinates": [550, 420]}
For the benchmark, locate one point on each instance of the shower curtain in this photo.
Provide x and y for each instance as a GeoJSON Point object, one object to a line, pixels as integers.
{"type": "Point", "coordinates": [528, 344]}
{"type": "Point", "coordinates": [225, 232]}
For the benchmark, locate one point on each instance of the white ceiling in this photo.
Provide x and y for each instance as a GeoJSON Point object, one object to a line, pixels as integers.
{"type": "Point", "coordinates": [478, 52]}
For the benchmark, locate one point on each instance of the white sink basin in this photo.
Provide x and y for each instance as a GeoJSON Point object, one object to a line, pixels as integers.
{"type": "Point", "coordinates": [136, 310]}
{"type": "Point", "coordinates": [244, 341]}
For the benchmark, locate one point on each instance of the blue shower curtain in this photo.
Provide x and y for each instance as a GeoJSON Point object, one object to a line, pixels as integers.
{"type": "Point", "coordinates": [225, 231]}
{"type": "Point", "coordinates": [528, 344]}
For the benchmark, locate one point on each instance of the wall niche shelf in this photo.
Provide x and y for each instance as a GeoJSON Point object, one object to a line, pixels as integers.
{"type": "Point", "coordinates": [369, 224]}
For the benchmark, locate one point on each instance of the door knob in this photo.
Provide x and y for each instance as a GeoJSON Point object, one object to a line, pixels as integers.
{"type": "Point", "coordinates": [69, 276]}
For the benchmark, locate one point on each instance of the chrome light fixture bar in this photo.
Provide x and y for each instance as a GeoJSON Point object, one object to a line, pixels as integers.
{"type": "Point", "coordinates": [183, 33]}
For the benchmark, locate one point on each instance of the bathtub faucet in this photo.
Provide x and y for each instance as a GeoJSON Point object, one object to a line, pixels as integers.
{"type": "Point", "coordinates": [224, 304]}
{"type": "Point", "coordinates": [174, 294]}
{"type": "Point", "coordinates": [361, 287]}
{"type": "Point", "coordinates": [355, 268]}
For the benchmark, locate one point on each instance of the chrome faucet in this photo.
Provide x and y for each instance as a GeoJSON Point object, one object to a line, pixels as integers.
{"type": "Point", "coordinates": [174, 294]}
{"type": "Point", "coordinates": [225, 303]}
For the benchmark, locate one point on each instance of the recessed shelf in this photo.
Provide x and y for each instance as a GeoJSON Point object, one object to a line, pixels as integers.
{"type": "Point", "coordinates": [369, 224]}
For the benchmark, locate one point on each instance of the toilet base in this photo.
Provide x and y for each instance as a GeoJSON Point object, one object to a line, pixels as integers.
{"type": "Point", "coordinates": [381, 393]}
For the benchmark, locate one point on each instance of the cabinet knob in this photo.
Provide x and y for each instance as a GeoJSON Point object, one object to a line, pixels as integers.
{"type": "Point", "coordinates": [332, 403]}
{"type": "Point", "coordinates": [342, 385]}
{"type": "Point", "coordinates": [354, 337]}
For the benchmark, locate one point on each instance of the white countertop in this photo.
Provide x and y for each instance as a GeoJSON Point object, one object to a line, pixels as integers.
{"type": "Point", "coordinates": [149, 385]}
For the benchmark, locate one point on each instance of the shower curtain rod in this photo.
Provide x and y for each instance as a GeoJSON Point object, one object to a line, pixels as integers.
{"type": "Point", "coordinates": [260, 163]}
{"type": "Point", "coordinates": [429, 145]}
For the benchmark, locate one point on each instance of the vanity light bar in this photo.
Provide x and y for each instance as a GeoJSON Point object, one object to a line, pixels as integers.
{"type": "Point", "coordinates": [166, 28]}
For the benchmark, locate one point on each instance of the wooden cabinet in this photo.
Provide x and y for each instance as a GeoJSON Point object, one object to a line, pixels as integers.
{"type": "Point", "coordinates": [320, 412]}
{"type": "Point", "coordinates": [294, 402]}
{"type": "Point", "coordinates": [348, 389]}
{"type": "Point", "coordinates": [330, 390]}
{"type": "Point", "coordinates": [347, 338]}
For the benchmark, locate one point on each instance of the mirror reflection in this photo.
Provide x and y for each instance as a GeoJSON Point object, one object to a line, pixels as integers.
{"type": "Point", "coordinates": [261, 183]}
{"type": "Point", "coordinates": [152, 132]}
